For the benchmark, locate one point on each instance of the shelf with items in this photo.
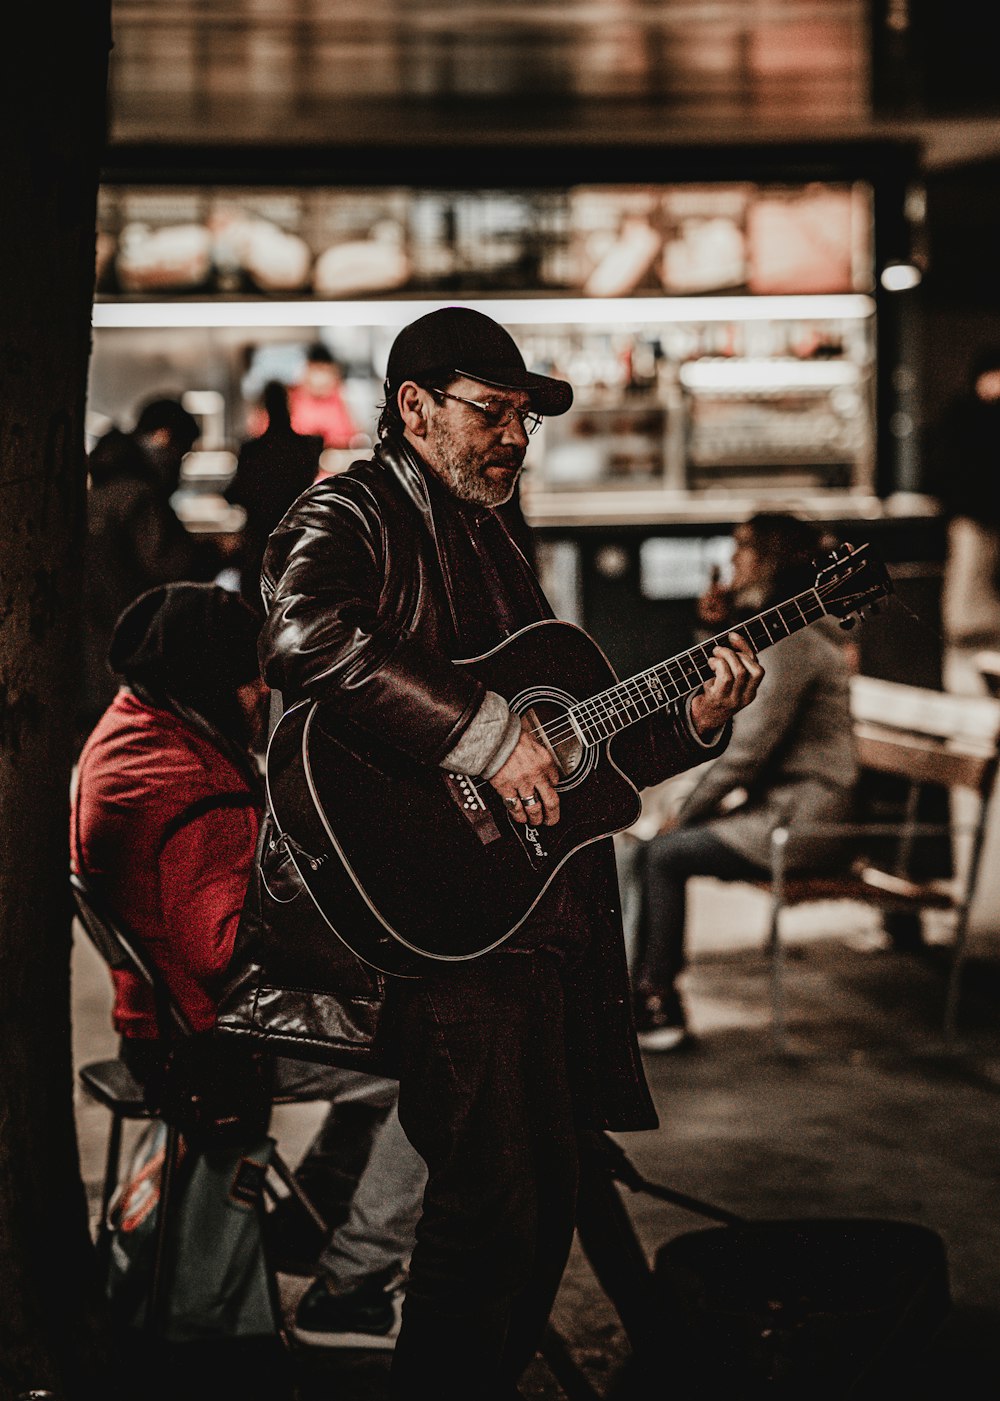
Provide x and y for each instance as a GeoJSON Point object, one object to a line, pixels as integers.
{"type": "Point", "coordinates": [596, 240]}
{"type": "Point", "coordinates": [779, 421]}
{"type": "Point", "coordinates": [658, 405]}
{"type": "Point", "coordinates": [614, 445]}
{"type": "Point", "coordinates": [643, 371]}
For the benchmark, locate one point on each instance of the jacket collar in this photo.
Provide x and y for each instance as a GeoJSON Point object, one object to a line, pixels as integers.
{"type": "Point", "coordinates": [470, 541]}
{"type": "Point", "coordinates": [432, 500]}
{"type": "Point", "coordinates": [419, 483]}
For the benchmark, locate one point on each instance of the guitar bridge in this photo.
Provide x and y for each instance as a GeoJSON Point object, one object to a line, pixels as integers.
{"type": "Point", "coordinates": [468, 799]}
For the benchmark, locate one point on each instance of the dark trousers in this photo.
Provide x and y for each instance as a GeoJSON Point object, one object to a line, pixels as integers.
{"type": "Point", "coordinates": [664, 868]}
{"type": "Point", "coordinates": [485, 1099]}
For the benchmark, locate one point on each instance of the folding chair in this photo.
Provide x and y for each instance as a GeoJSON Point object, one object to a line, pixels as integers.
{"type": "Point", "coordinates": [112, 1084]}
{"type": "Point", "coordinates": [922, 737]}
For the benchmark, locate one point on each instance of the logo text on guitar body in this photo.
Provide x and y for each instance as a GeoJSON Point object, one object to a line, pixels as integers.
{"type": "Point", "coordinates": [533, 843]}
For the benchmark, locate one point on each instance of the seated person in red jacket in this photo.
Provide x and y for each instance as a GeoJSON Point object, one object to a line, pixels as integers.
{"type": "Point", "coordinates": [165, 820]}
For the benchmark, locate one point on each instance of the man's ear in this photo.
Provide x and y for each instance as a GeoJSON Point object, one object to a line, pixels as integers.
{"type": "Point", "coordinates": [412, 405]}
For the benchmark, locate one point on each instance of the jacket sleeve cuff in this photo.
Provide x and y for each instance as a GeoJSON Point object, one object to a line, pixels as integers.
{"type": "Point", "coordinates": [706, 741]}
{"type": "Point", "coordinates": [488, 741]}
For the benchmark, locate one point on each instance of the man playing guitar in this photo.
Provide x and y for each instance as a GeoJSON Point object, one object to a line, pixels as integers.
{"type": "Point", "coordinates": [378, 582]}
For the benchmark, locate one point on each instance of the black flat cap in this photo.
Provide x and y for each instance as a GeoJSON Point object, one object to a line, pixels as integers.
{"type": "Point", "coordinates": [459, 340]}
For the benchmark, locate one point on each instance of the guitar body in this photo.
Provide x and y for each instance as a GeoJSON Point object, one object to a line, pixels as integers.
{"type": "Point", "coordinates": [408, 863]}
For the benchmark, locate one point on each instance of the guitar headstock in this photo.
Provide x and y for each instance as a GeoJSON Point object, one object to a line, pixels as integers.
{"type": "Point", "coordinates": [852, 582]}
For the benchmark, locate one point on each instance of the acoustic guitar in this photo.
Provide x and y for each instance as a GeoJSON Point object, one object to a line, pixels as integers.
{"type": "Point", "coordinates": [411, 865]}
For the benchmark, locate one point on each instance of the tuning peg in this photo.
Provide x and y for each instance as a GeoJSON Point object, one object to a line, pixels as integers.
{"type": "Point", "coordinates": [848, 623]}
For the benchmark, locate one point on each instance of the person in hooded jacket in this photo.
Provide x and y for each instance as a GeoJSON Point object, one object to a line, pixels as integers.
{"type": "Point", "coordinates": [164, 822]}
{"type": "Point", "coordinates": [510, 1063]}
{"type": "Point", "coordinates": [271, 471]}
{"type": "Point", "coordinates": [135, 539]}
{"type": "Point", "coordinates": [791, 760]}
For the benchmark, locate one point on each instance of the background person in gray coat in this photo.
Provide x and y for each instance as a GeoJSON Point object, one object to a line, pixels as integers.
{"type": "Point", "coordinates": [791, 761]}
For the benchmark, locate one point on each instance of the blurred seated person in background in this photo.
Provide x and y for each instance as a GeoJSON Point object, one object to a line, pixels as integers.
{"type": "Point", "coordinates": [271, 471]}
{"type": "Point", "coordinates": [963, 454]}
{"type": "Point", "coordinates": [134, 538]}
{"type": "Point", "coordinates": [791, 759]}
{"type": "Point", "coordinates": [164, 824]}
{"type": "Point", "coordinates": [317, 404]}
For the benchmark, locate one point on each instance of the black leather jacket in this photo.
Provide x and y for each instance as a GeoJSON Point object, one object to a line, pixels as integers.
{"type": "Point", "coordinates": [374, 579]}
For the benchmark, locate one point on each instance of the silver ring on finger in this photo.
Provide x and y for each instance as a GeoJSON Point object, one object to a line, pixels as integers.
{"type": "Point", "coordinates": [531, 802]}
{"type": "Point", "coordinates": [512, 802]}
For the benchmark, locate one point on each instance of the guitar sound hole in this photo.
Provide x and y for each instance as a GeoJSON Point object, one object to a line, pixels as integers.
{"type": "Point", "coordinates": [557, 733]}
{"type": "Point", "coordinates": [569, 754]}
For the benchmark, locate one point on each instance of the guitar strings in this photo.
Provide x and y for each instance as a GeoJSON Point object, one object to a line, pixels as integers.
{"type": "Point", "coordinates": [635, 683]}
{"type": "Point", "coordinates": [597, 705]}
{"type": "Point", "coordinates": [569, 731]}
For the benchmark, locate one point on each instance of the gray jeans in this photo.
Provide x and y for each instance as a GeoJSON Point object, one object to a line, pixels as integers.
{"type": "Point", "coordinates": [386, 1203]}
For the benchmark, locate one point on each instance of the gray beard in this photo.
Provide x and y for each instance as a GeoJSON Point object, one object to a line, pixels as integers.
{"type": "Point", "coordinates": [463, 473]}
{"type": "Point", "coordinates": [468, 484]}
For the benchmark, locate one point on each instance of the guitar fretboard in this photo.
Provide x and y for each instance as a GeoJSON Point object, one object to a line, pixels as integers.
{"type": "Point", "coordinates": [613, 710]}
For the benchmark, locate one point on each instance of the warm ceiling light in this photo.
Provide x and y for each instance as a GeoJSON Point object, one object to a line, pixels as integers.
{"type": "Point", "coordinates": [534, 311]}
{"type": "Point", "coordinates": [900, 277]}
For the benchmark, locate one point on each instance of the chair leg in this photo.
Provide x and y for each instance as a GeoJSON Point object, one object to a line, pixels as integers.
{"type": "Point", "coordinates": [285, 1175]}
{"type": "Point", "coordinates": [954, 988]}
{"type": "Point", "coordinates": [962, 929]}
{"type": "Point", "coordinates": [158, 1293]}
{"type": "Point", "coordinates": [282, 1331]}
{"type": "Point", "coordinates": [779, 849]}
{"type": "Point", "coordinates": [102, 1239]}
{"type": "Point", "coordinates": [777, 951]}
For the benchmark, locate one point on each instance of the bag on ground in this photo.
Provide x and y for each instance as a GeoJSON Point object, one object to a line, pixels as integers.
{"type": "Point", "coordinates": [217, 1282]}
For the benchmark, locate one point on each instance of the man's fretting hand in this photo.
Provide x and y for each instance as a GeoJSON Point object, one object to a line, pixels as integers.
{"type": "Point", "coordinates": [527, 781]}
{"type": "Point", "coordinates": [736, 675]}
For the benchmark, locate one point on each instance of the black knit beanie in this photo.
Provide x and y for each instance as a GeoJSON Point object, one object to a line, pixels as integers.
{"type": "Point", "coordinates": [193, 643]}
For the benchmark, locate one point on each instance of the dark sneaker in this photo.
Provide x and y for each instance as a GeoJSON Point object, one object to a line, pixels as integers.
{"type": "Point", "coordinates": [365, 1317]}
{"type": "Point", "coordinates": [660, 1022]}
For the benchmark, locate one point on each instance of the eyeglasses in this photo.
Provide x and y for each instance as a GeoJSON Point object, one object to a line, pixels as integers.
{"type": "Point", "coordinates": [496, 415]}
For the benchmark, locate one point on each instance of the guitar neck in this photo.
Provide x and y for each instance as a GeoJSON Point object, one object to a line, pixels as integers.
{"type": "Point", "coordinates": [671, 681]}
